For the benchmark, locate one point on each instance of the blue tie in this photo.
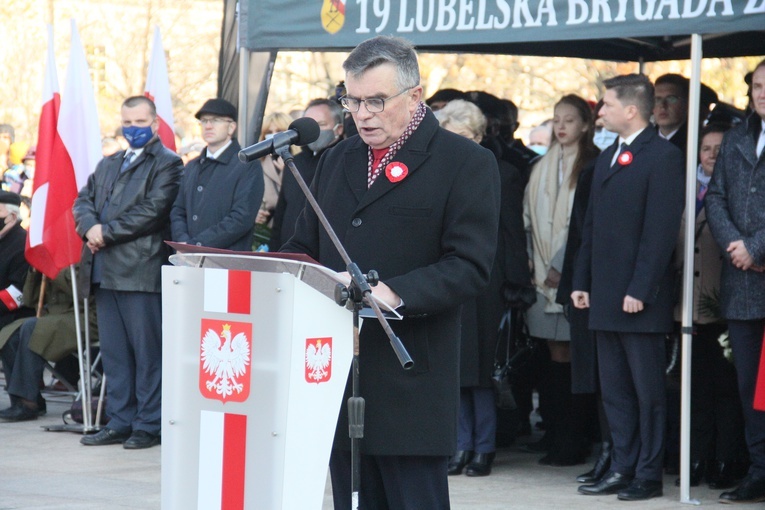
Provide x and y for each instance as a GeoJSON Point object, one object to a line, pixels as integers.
{"type": "Point", "coordinates": [129, 157]}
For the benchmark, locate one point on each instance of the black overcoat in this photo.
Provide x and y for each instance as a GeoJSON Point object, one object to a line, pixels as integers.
{"type": "Point", "coordinates": [432, 237]}
{"type": "Point", "coordinates": [13, 271]}
{"type": "Point", "coordinates": [629, 234]}
{"type": "Point", "coordinates": [481, 316]}
{"type": "Point", "coordinates": [218, 201]}
{"type": "Point", "coordinates": [735, 207]}
{"type": "Point", "coordinates": [133, 208]}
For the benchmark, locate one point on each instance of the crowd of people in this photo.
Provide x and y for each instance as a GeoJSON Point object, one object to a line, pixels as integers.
{"type": "Point", "coordinates": [575, 239]}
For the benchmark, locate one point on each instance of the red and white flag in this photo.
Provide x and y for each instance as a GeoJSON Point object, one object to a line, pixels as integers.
{"type": "Point", "coordinates": [158, 90]}
{"type": "Point", "coordinates": [222, 453]}
{"type": "Point", "coordinates": [227, 291]}
{"type": "Point", "coordinates": [68, 149]}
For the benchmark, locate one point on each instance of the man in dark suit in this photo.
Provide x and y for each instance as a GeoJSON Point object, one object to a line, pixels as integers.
{"type": "Point", "coordinates": [421, 206]}
{"type": "Point", "coordinates": [329, 115]}
{"type": "Point", "coordinates": [734, 207]}
{"type": "Point", "coordinates": [219, 195]}
{"type": "Point", "coordinates": [624, 275]}
{"type": "Point", "coordinates": [123, 214]}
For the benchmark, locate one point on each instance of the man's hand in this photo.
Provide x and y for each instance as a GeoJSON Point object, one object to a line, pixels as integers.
{"type": "Point", "coordinates": [553, 278]}
{"type": "Point", "coordinates": [263, 216]}
{"type": "Point", "coordinates": [581, 299]}
{"type": "Point", "coordinates": [95, 238]}
{"type": "Point", "coordinates": [380, 291]}
{"type": "Point", "coordinates": [632, 305]}
{"type": "Point", "coordinates": [739, 255]}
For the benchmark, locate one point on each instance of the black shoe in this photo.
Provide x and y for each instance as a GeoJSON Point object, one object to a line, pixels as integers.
{"type": "Point", "coordinates": [480, 465]}
{"type": "Point", "coordinates": [103, 437]}
{"type": "Point", "coordinates": [610, 484]}
{"type": "Point", "coordinates": [601, 467]}
{"type": "Point", "coordinates": [726, 475]}
{"type": "Point", "coordinates": [18, 412]}
{"type": "Point", "coordinates": [458, 462]}
{"type": "Point", "coordinates": [141, 439]}
{"type": "Point", "coordinates": [639, 490]}
{"type": "Point", "coordinates": [698, 469]}
{"type": "Point", "coordinates": [42, 406]}
{"type": "Point", "coordinates": [751, 490]}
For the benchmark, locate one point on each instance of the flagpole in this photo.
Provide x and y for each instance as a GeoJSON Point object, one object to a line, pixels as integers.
{"type": "Point", "coordinates": [87, 423]}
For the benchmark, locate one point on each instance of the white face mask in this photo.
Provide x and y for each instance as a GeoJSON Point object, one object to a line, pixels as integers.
{"type": "Point", "coordinates": [604, 138]}
{"type": "Point", "coordinates": [326, 137]}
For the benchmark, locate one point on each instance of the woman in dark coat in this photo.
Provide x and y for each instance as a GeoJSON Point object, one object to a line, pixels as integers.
{"type": "Point", "coordinates": [476, 431]}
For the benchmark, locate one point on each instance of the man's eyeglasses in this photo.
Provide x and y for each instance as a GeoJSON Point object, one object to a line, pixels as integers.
{"type": "Point", "coordinates": [213, 120]}
{"type": "Point", "coordinates": [372, 104]}
{"type": "Point", "coordinates": [667, 101]}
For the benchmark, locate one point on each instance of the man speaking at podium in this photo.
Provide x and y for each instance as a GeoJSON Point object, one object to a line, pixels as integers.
{"type": "Point", "coordinates": [420, 205]}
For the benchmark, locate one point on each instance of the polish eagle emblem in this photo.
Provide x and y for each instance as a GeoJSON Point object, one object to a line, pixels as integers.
{"type": "Point", "coordinates": [224, 363]}
{"type": "Point", "coordinates": [318, 360]}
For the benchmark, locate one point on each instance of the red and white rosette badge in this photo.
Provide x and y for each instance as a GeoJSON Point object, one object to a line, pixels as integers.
{"type": "Point", "coordinates": [625, 158]}
{"type": "Point", "coordinates": [396, 171]}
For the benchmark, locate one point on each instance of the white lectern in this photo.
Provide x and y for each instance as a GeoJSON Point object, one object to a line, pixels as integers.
{"type": "Point", "coordinates": [256, 355]}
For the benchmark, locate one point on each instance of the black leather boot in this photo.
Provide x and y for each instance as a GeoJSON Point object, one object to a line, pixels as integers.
{"type": "Point", "coordinates": [458, 462]}
{"type": "Point", "coordinates": [601, 467]}
{"type": "Point", "coordinates": [480, 465]}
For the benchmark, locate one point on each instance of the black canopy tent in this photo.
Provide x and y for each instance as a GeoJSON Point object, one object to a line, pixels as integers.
{"type": "Point", "coordinates": [617, 30]}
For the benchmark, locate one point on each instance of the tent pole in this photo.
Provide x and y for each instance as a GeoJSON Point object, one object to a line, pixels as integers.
{"type": "Point", "coordinates": [244, 74]}
{"type": "Point", "coordinates": [688, 257]}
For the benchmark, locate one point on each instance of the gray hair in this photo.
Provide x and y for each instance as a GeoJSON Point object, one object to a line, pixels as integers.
{"type": "Point", "coordinates": [385, 49]}
{"type": "Point", "coordinates": [337, 112]}
{"type": "Point", "coordinates": [12, 209]}
{"type": "Point", "coordinates": [463, 114]}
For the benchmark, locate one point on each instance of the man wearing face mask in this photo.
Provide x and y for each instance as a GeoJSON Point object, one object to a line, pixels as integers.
{"type": "Point", "coordinates": [329, 115]}
{"type": "Point", "coordinates": [123, 215]}
{"type": "Point", "coordinates": [13, 265]}
{"type": "Point", "coordinates": [219, 195]}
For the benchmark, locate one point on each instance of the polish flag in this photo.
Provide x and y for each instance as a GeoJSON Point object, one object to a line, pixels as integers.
{"type": "Point", "coordinates": [227, 291]}
{"type": "Point", "coordinates": [222, 447]}
{"type": "Point", "coordinates": [158, 90]}
{"type": "Point", "coordinates": [68, 149]}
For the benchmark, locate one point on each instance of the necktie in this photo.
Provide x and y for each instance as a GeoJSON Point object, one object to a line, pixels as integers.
{"type": "Point", "coordinates": [623, 147]}
{"type": "Point", "coordinates": [129, 157]}
{"type": "Point", "coordinates": [760, 144]}
{"type": "Point", "coordinates": [700, 198]}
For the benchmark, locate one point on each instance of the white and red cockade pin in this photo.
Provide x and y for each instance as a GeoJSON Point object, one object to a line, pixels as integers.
{"type": "Point", "coordinates": [625, 158]}
{"type": "Point", "coordinates": [396, 171]}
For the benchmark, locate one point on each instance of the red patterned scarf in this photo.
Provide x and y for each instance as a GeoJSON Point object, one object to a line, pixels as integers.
{"type": "Point", "coordinates": [374, 171]}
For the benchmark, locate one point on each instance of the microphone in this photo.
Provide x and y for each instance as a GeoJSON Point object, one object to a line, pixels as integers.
{"type": "Point", "coordinates": [301, 132]}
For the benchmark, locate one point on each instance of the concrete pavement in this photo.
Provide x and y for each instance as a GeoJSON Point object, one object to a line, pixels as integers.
{"type": "Point", "coordinates": [42, 470]}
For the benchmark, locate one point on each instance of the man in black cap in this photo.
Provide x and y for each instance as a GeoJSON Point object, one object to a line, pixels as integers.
{"type": "Point", "coordinates": [219, 196]}
{"type": "Point", "coordinates": [13, 265]}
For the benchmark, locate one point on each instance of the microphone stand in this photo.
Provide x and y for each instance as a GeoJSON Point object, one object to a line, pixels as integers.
{"type": "Point", "coordinates": [358, 292]}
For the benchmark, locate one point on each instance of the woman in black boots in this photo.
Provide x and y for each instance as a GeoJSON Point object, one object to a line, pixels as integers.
{"type": "Point", "coordinates": [548, 205]}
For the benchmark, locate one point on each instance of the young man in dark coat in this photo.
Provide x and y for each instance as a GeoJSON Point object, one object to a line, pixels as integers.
{"type": "Point", "coordinates": [624, 275]}
{"type": "Point", "coordinates": [219, 195]}
{"type": "Point", "coordinates": [735, 207]}
{"type": "Point", "coordinates": [421, 206]}
{"type": "Point", "coordinates": [123, 214]}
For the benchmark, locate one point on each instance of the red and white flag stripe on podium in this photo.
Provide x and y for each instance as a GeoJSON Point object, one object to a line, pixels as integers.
{"type": "Point", "coordinates": [227, 291]}
{"type": "Point", "coordinates": [222, 453]}
{"type": "Point", "coordinates": [158, 90]}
